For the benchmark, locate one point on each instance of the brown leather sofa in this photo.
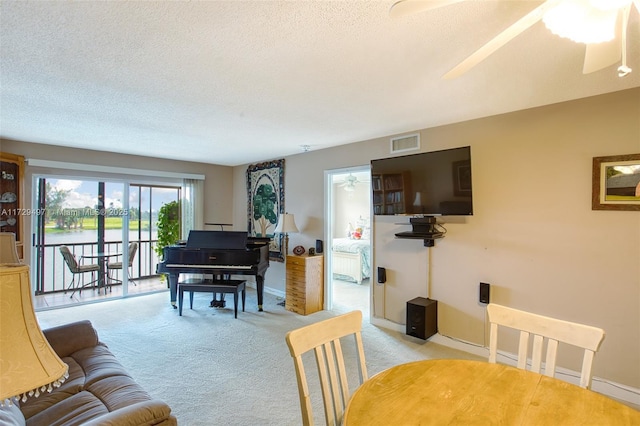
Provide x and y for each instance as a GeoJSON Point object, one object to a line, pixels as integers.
{"type": "Point", "coordinates": [98, 391]}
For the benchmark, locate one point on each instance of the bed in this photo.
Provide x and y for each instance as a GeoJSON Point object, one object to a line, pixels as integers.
{"type": "Point", "coordinates": [350, 259]}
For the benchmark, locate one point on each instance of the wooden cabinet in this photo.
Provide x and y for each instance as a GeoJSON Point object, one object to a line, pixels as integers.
{"type": "Point", "coordinates": [305, 284]}
{"type": "Point", "coordinates": [11, 197]}
{"type": "Point", "coordinates": [391, 193]}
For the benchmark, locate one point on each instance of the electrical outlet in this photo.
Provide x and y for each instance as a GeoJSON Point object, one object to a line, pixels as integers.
{"type": "Point", "coordinates": [484, 293]}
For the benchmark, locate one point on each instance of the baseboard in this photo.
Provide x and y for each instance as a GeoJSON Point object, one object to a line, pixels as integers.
{"type": "Point", "coordinates": [606, 387]}
{"type": "Point", "coordinates": [385, 323]}
{"type": "Point", "coordinates": [273, 291]}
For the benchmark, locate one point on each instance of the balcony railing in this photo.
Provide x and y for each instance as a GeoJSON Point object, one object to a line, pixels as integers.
{"type": "Point", "coordinates": [52, 274]}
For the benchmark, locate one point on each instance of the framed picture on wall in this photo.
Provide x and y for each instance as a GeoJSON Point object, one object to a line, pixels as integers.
{"type": "Point", "coordinates": [616, 182]}
{"type": "Point", "coordinates": [265, 195]}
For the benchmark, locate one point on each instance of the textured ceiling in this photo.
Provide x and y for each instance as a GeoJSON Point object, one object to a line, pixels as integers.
{"type": "Point", "coordinates": [233, 82]}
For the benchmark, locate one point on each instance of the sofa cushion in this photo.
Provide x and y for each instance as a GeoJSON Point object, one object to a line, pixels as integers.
{"type": "Point", "coordinates": [10, 415]}
{"type": "Point", "coordinates": [97, 363]}
{"type": "Point", "coordinates": [146, 413]}
{"type": "Point", "coordinates": [69, 338]}
{"type": "Point", "coordinates": [75, 410]}
{"type": "Point", "coordinates": [86, 367]}
{"type": "Point", "coordinates": [71, 386]}
{"type": "Point", "coordinates": [118, 391]}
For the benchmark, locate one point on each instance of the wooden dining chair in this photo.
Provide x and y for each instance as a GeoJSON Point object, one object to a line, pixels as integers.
{"type": "Point", "coordinates": [111, 266]}
{"type": "Point", "coordinates": [8, 250]}
{"type": "Point", "coordinates": [323, 338]}
{"type": "Point", "coordinates": [544, 328]}
{"type": "Point", "coordinates": [78, 269]}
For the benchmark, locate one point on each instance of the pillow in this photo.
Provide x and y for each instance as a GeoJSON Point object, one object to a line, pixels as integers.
{"type": "Point", "coordinates": [11, 416]}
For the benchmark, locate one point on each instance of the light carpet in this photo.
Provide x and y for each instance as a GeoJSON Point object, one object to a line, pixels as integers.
{"type": "Point", "coordinates": [213, 369]}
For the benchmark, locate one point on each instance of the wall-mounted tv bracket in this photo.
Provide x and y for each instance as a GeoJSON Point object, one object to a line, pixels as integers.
{"type": "Point", "coordinates": [423, 228]}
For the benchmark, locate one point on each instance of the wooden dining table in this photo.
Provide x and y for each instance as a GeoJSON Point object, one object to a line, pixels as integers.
{"type": "Point", "coordinates": [462, 392]}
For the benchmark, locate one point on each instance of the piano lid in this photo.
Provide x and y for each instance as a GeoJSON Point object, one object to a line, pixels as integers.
{"type": "Point", "coordinates": [217, 239]}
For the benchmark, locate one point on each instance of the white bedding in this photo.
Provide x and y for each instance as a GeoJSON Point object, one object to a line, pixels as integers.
{"type": "Point", "coordinates": [342, 265]}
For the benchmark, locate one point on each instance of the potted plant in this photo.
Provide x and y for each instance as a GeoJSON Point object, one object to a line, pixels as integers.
{"type": "Point", "coordinates": [168, 225]}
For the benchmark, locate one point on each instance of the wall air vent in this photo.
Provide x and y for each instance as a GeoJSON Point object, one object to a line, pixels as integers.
{"type": "Point", "coordinates": [405, 143]}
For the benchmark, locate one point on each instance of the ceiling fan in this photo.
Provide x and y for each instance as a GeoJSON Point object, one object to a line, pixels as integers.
{"type": "Point", "coordinates": [349, 183]}
{"type": "Point", "coordinates": [603, 23]}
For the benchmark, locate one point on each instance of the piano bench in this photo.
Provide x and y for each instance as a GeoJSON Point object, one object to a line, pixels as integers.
{"type": "Point", "coordinates": [212, 286]}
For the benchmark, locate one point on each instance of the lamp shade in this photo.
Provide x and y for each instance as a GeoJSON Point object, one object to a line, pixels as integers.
{"type": "Point", "coordinates": [286, 224]}
{"type": "Point", "coordinates": [28, 364]}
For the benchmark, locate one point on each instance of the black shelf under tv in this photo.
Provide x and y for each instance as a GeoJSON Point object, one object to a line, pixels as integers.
{"type": "Point", "coordinates": [423, 228]}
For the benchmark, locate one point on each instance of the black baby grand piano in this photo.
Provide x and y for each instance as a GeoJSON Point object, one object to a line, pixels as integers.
{"type": "Point", "coordinates": [217, 253]}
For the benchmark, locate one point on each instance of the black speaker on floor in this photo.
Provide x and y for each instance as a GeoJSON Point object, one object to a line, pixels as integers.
{"type": "Point", "coordinates": [422, 317]}
{"type": "Point", "coordinates": [319, 246]}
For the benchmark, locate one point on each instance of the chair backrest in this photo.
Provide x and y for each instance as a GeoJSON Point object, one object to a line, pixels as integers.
{"type": "Point", "coordinates": [133, 248]}
{"type": "Point", "coordinates": [544, 328]}
{"type": "Point", "coordinates": [8, 251]}
{"type": "Point", "coordinates": [323, 338]}
{"type": "Point", "coordinates": [69, 259]}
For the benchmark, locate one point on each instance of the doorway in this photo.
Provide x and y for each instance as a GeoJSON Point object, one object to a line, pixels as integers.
{"type": "Point", "coordinates": [348, 237]}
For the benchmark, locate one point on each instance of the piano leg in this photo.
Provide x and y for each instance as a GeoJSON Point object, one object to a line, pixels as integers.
{"type": "Point", "coordinates": [260, 290]}
{"type": "Point", "coordinates": [218, 303]}
{"type": "Point", "coordinates": [173, 289]}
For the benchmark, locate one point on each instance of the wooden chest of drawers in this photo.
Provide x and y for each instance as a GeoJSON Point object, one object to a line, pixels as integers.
{"type": "Point", "coordinates": [305, 284]}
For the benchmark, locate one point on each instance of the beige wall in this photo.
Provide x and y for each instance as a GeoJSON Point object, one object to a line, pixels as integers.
{"type": "Point", "coordinates": [533, 236]}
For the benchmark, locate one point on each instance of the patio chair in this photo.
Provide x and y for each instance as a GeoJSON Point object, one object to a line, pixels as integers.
{"type": "Point", "coordinates": [8, 251]}
{"type": "Point", "coordinates": [78, 269]}
{"type": "Point", "coordinates": [133, 249]}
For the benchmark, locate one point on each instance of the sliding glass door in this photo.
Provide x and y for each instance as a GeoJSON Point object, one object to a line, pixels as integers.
{"type": "Point", "coordinates": [96, 220]}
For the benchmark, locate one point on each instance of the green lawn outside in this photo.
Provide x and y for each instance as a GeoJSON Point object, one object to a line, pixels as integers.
{"type": "Point", "coordinates": [91, 223]}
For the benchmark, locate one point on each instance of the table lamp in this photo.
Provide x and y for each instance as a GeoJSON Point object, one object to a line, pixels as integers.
{"type": "Point", "coordinates": [28, 364]}
{"type": "Point", "coordinates": [286, 224]}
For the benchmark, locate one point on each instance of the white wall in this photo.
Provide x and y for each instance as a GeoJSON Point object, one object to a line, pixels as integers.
{"type": "Point", "coordinates": [533, 235]}
{"type": "Point", "coordinates": [349, 207]}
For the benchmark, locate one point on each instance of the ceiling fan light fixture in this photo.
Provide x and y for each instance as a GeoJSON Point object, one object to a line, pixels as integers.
{"type": "Point", "coordinates": [610, 4]}
{"type": "Point", "coordinates": [349, 183]}
{"type": "Point", "coordinates": [583, 21]}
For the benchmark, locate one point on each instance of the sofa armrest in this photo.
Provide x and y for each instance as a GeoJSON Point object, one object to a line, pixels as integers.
{"type": "Point", "coordinates": [153, 412]}
{"type": "Point", "coordinates": [69, 338]}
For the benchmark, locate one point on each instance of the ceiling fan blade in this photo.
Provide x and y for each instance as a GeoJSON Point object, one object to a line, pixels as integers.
{"type": "Point", "coordinates": [501, 39]}
{"type": "Point", "coordinates": [601, 55]}
{"type": "Point", "coordinates": [409, 7]}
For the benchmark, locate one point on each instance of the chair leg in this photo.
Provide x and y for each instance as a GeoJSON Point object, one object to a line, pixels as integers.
{"type": "Point", "coordinates": [71, 286]}
{"type": "Point", "coordinates": [112, 280]}
{"type": "Point", "coordinates": [130, 277]}
{"type": "Point", "coordinates": [83, 285]}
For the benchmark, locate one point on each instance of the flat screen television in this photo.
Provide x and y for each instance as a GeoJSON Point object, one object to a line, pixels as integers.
{"type": "Point", "coordinates": [436, 183]}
